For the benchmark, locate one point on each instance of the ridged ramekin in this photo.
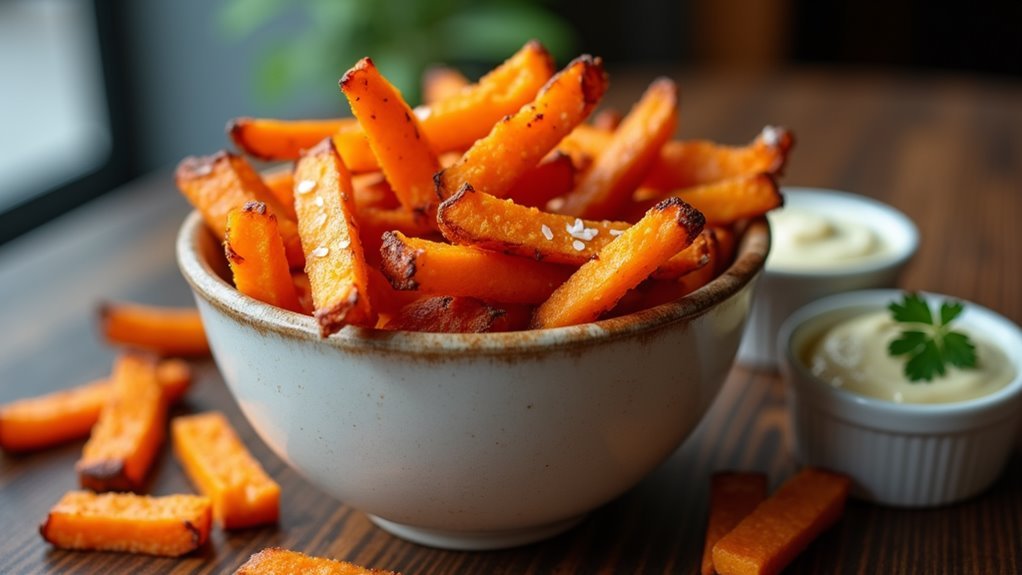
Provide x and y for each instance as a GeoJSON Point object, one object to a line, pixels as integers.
{"type": "Point", "coordinates": [906, 455]}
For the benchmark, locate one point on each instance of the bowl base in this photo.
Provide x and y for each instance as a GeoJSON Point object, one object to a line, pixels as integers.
{"type": "Point", "coordinates": [472, 540]}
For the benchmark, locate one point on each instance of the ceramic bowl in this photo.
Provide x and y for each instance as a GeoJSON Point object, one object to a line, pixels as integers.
{"type": "Point", "coordinates": [906, 455]}
{"type": "Point", "coordinates": [782, 291]}
{"type": "Point", "coordinates": [474, 441]}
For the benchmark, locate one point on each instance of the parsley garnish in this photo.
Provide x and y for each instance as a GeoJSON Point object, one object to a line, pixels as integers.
{"type": "Point", "coordinates": [930, 345]}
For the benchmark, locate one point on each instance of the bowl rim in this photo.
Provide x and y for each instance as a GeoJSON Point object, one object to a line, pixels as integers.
{"type": "Point", "coordinates": [895, 260]}
{"type": "Point", "coordinates": [863, 408]}
{"type": "Point", "coordinates": [206, 285]}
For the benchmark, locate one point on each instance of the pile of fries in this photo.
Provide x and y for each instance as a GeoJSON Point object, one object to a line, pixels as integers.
{"type": "Point", "coordinates": [494, 206]}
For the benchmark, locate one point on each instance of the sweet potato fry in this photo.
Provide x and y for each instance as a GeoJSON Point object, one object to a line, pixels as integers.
{"type": "Point", "coordinates": [727, 201]}
{"type": "Point", "coordinates": [218, 464]}
{"type": "Point", "coordinates": [47, 420]}
{"type": "Point", "coordinates": [607, 119]}
{"type": "Point", "coordinates": [449, 314]}
{"type": "Point", "coordinates": [129, 431]}
{"type": "Point", "coordinates": [168, 526]}
{"type": "Point", "coordinates": [282, 139]}
{"type": "Point", "coordinates": [255, 253]}
{"type": "Point", "coordinates": [770, 537]}
{"type": "Point", "coordinates": [732, 497]}
{"type": "Point", "coordinates": [693, 163]}
{"type": "Point", "coordinates": [282, 183]}
{"type": "Point", "coordinates": [552, 177]}
{"type": "Point", "coordinates": [597, 286]}
{"type": "Point", "coordinates": [276, 561]}
{"type": "Point", "coordinates": [217, 184]}
{"type": "Point", "coordinates": [374, 222]}
{"type": "Point", "coordinates": [163, 330]}
{"type": "Point", "coordinates": [403, 152]}
{"type": "Point", "coordinates": [692, 258]}
{"type": "Point", "coordinates": [442, 269]}
{"type": "Point", "coordinates": [335, 262]}
{"type": "Point", "coordinates": [519, 142]}
{"type": "Point", "coordinates": [608, 183]}
{"type": "Point", "coordinates": [440, 83]}
{"type": "Point", "coordinates": [372, 190]}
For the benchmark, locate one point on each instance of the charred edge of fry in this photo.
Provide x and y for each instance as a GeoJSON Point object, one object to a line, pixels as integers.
{"type": "Point", "coordinates": [195, 167]}
{"type": "Point", "coordinates": [536, 46]}
{"type": "Point", "coordinates": [232, 256]}
{"type": "Point", "coordinates": [594, 78]}
{"type": "Point", "coordinates": [105, 475]}
{"type": "Point", "coordinates": [236, 131]}
{"type": "Point", "coordinates": [688, 217]}
{"type": "Point", "coordinates": [333, 318]}
{"type": "Point", "coordinates": [438, 183]}
{"type": "Point", "coordinates": [196, 534]}
{"type": "Point", "coordinates": [785, 142]}
{"type": "Point", "coordinates": [398, 264]}
{"type": "Point", "coordinates": [449, 229]}
{"type": "Point", "coordinates": [325, 146]}
{"type": "Point", "coordinates": [359, 66]}
{"type": "Point", "coordinates": [255, 206]}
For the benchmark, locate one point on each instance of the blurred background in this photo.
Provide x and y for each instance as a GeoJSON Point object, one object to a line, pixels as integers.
{"type": "Point", "coordinates": [99, 92]}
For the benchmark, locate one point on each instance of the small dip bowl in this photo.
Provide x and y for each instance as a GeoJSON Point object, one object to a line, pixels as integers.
{"type": "Point", "coordinates": [783, 290]}
{"type": "Point", "coordinates": [900, 454]}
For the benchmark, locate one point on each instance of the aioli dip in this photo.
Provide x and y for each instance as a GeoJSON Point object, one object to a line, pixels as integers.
{"type": "Point", "coordinates": [808, 240]}
{"type": "Point", "coordinates": [853, 355]}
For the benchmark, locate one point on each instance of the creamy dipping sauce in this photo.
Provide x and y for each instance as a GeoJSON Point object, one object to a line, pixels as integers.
{"type": "Point", "coordinates": [807, 240]}
{"type": "Point", "coordinates": [853, 355]}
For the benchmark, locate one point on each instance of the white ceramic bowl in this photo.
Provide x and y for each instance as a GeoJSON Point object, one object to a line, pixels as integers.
{"type": "Point", "coordinates": [909, 455]}
{"type": "Point", "coordinates": [782, 291]}
{"type": "Point", "coordinates": [474, 441]}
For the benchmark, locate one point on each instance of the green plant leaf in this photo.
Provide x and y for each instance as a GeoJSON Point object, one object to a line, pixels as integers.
{"type": "Point", "coordinates": [908, 342]}
{"type": "Point", "coordinates": [925, 364]}
{"type": "Point", "coordinates": [959, 350]}
{"type": "Point", "coordinates": [912, 309]}
{"type": "Point", "coordinates": [949, 311]}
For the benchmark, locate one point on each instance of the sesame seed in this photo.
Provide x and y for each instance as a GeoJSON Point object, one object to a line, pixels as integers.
{"type": "Point", "coordinates": [320, 252]}
{"type": "Point", "coordinates": [579, 246]}
{"type": "Point", "coordinates": [547, 232]}
{"type": "Point", "coordinates": [344, 244]}
{"type": "Point", "coordinates": [318, 201]}
{"type": "Point", "coordinates": [319, 221]}
{"type": "Point", "coordinates": [305, 186]}
{"type": "Point", "coordinates": [616, 233]}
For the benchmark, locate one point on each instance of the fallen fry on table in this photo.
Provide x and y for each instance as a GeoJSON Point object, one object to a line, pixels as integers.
{"type": "Point", "coordinates": [733, 496]}
{"type": "Point", "coordinates": [168, 526]}
{"type": "Point", "coordinates": [255, 254]}
{"type": "Point", "coordinates": [622, 264]}
{"type": "Point", "coordinates": [335, 262]}
{"type": "Point", "coordinates": [607, 185]}
{"type": "Point", "coordinates": [520, 141]}
{"type": "Point", "coordinates": [223, 470]}
{"type": "Point", "coordinates": [442, 269]}
{"type": "Point", "coordinates": [129, 431]}
{"type": "Point", "coordinates": [770, 537]}
{"type": "Point", "coordinates": [440, 83]}
{"type": "Point", "coordinates": [450, 314]}
{"type": "Point", "coordinates": [167, 331]}
{"type": "Point", "coordinates": [277, 561]}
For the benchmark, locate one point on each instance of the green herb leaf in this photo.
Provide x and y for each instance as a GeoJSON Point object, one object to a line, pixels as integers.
{"type": "Point", "coordinates": [930, 347]}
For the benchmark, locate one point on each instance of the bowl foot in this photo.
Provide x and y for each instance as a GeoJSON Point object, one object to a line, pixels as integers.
{"type": "Point", "coordinates": [473, 540]}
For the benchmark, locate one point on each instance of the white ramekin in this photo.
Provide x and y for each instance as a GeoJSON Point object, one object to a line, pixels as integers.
{"type": "Point", "coordinates": [907, 455]}
{"type": "Point", "coordinates": [781, 291]}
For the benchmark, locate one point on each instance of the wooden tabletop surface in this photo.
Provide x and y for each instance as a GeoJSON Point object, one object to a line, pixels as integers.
{"type": "Point", "coordinates": [945, 150]}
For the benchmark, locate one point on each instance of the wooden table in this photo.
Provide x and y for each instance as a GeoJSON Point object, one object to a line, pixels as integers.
{"type": "Point", "coordinates": [947, 151]}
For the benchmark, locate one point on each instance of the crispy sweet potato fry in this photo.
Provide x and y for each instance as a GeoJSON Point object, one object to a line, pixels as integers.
{"type": "Point", "coordinates": [442, 269]}
{"type": "Point", "coordinates": [129, 431]}
{"type": "Point", "coordinates": [282, 139]}
{"type": "Point", "coordinates": [335, 262]}
{"type": "Point", "coordinates": [778, 529]}
{"type": "Point", "coordinates": [255, 253]}
{"type": "Point", "coordinates": [608, 183]}
{"type": "Point", "coordinates": [163, 330]}
{"type": "Point", "coordinates": [607, 119]}
{"type": "Point", "coordinates": [732, 497]}
{"type": "Point", "coordinates": [727, 201]}
{"type": "Point", "coordinates": [440, 83]}
{"type": "Point", "coordinates": [519, 142]}
{"type": "Point", "coordinates": [169, 526]}
{"type": "Point", "coordinates": [372, 190]}
{"type": "Point", "coordinates": [218, 464]}
{"type": "Point", "coordinates": [276, 561]}
{"type": "Point", "coordinates": [38, 422]}
{"type": "Point", "coordinates": [692, 258]}
{"type": "Point", "coordinates": [403, 152]}
{"type": "Point", "coordinates": [282, 183]}
{"type": "Point", "coordinates": [552, 177]}
{"type": "Point", "coordinates": [450, 314]}
{"type": "Point", "coordinates": [217, 184]}
{"type": "Point", "coordinates": [597, 286]}
{"type": "Point", "coordinates": [693, 163]}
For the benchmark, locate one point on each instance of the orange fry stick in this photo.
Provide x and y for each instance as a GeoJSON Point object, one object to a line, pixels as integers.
{"type": "Point", "coordinates": [443, 269]}
{"type": "Point", "coordinates": [218, 464]}
{"type": "Point", "coordinates": [394, 134]}
{"type": "Point", "coordinates": [37, 422]}
{"type": "Point", "coordinates": [770, 537]}
{"type": "Point", "coordinates": [732, 497]}
{"type": "Point", "coordinates": [692, 258]}
{"type": "Point", "coordinates": [727, 201]}
{"type": "Point", "coordinates": [519, 142]}
{"type": "Point", "coordinates": [130, 429]}
{"type": "Point", "coordinates": [449, 314]}
{"type": "Point", "coordinates": [373, 190]}
{"type": "Point", "coordinates": [282, 139]}
{"type": "Point", "coordinates": [597, 286]}
{"type": "Point", "coordinates": [608, 183]}
{"type": "Point", "coordinates": [335, 262]}
{"type": "Point", "coordinates": [607, 119]}
{"type": "Point", "coordinates": [168, 526]}
{"type": "Point", "coordinates": [440, 83]}
{"type": "Point", "coordinates": [163, 330]}
{"type": "Point", "coordinates": [217, 184]}
{"type": "Point", "coordinates": [552, 177]}
{"type": "Point", "coordinates": [282, 183]}
{"type": "Point", "coordinates": [255, 253]}
{"type": "Point", "coordinates": [276, 561]}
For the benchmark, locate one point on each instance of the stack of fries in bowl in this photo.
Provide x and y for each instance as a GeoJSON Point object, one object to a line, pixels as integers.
{"type": "Point", "coordinates": [481, 318]}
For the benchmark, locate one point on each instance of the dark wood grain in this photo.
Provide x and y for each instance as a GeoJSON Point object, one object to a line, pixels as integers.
{"type": "Point", "coordinates": [945, 150]}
